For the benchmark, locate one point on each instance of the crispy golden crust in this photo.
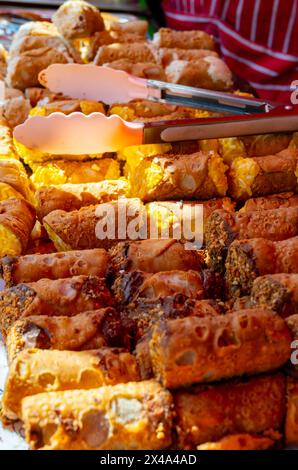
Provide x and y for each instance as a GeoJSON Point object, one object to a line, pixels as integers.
{"type": "Point", "coordinates": [136, 52]}
{"type": "Point", "coordinates": [273, 174]}
{"type": "Point", "coordinates": [266, 144]}
{"type": "Point", "coordinates": [135, 26]}
{"type": "Point", "coordinates": [143, 70]}
{"type": "Point", "coordinates": [164, 177]}
{"type": "Point", "coordinates": [31, 43]}
{"type": "Point", "coordinates": [96, 226]}
{"type": "Point", "coordinates": [291, 427]}
{"type": "Point", "coordinates": [15, 110]}
{"type": "Point", "coordinates": [225, 226]}
{"type": "Point", "coordinates": [36, 371]}
{"type": "Point", "coordinates": [78, 19]}
{"type": "Point", "coordinates": [167, 55]}
{"type": "Point", "coordinates": [69, 197]}
{"type": "Point", "coordinates": [193, 350]}
{"type": "Point", "coordinates": [105, 38]}
{"type": "Point", "coordinates": [23, 70]}
{"type": "Point", "coordinates": [52, 298]}
{"type": "Point", "coordinates": [136, 285]}
{"type": "Point", "coordinates": [273, 201]}
{"type": "Point", "coordinates": [145, 313]}
{"type": "Point", "coordinates": [209, 72]}
{"type": "Point", "coordinates": [278, 292]}
{"type": "Point", "coordinates": [167, 37]}
{"type": "Point", "coordinates": [208, 413]}
{"type": "Point", "coordinates": [239, 442]}
{"type": "Point", "coordinates": [248, 259]}
{"type": "Point", "coordinates": [153, 256]}
{"type": "Point", "coordinates": [87, 330]}
{"type": "Point", "coordinates": [132, 416]}
{"type": "Point", "coordinates": [13, 173]}
{"type": "Point", "coordinates": [18, 216]}
{"type": "Point", "coordinates": [31, 268]}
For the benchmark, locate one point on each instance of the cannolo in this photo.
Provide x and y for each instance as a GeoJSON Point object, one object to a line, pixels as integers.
{"type": "Point", "coordinates": [53, 371]}
{"type": "Point", "coordinates": [209, 413]}
{"type": "Point", "coordinates": [193, 350]}
{"type": "Point", "coordinates": [60, 297]}
{"type": "Point", "coordinates": [31, 268]}
{"type": "Point", "coordinates": [248, 259]}
{"type": "Point", "coordinates": [132, 416]}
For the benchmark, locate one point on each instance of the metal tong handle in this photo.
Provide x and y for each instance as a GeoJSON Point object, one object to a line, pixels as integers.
{"type": "Point", "coordinates": [206, 99]}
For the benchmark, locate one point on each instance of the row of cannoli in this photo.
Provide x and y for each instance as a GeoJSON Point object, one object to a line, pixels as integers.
{"type": "Point", "coordinates": [177, 350]}
{"type": "Point", "coordinates": [251, 412]}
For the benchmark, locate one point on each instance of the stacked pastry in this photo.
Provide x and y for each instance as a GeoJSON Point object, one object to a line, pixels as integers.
{"type": "Point", "coordinates": [116, 343]}
{"type": "Point", "coordinates": [17, 214]}
{"type": "Point", "coordinates": [101, 362]}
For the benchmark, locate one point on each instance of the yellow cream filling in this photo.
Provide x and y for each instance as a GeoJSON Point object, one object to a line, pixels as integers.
{"type": "Point", "coordinates": [216, 171]}
{"type": "Point", "coordinates": [10, 244]}
{"type": "Point", "coordinates": [7, 191]}
{"type": "Point", "coordinates": [231, 148]}
{"type": "Point", "coordinates": [244, 172]}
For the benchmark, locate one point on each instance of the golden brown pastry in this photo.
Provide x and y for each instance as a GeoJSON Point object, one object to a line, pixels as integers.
{"type": "Point", "coordinates": [272, 201]}
{"type": "Point", "coordinates": [135, 52]}
{"type": "Point", "coordinates": [167, 37]}
{"type": "Point", "coordinates": [153, 256]}
{"type": "Point", "coordinates": [86, 330]}
{"type": "Point", "coordinates": [279, 292]}
{"type": "Point", "coordinates": [167, 55]}
{"type": "Point", "coordinates": [193, 350]}
{"type": "Point", "coordinates": [99, 226]}
{"type": "Point", "coordinates": [132, 416]}
{"type": "Point", "coordinates": [31, 268]}
{"type": "Point", "coordinates": [60, 297]}
{"type": "Point", "coordinates": [146, 70]}
{"type": "Point", "coordinates": [139, 27]}
{"type": "Point", "coordinates": [196, 176]}
{"type": "Point", "coordinates": [224, 227]}
{"type": "Point", "coordinates": [36, 371]}
{"type": "Point", "coordinates": [23, 70]}
{"type": "Point", "coordinates": [70, 197]}
{"type": "Point", "coordinates": [248, 259]}
{"type": "Point", "coordinates": [209, 413]}
{"type": "Point", "coordinates": [261, 176]}
{"type": "Point", "coordinates": [209, 72]}
{"type": "Point", "coordinates": [78, 19]}
{"type": "Point", "coordinates": [136, 285]}
{"type": "Point", "coordinates": [15, 110]}
{"type": "Point", "coordinates": [17, 219]}
{"type": "Point", "coordinates": [13, 173]}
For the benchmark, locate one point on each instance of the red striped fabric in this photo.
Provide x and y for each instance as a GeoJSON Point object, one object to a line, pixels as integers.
{"type": "Point", "coordinates": [257, 38]}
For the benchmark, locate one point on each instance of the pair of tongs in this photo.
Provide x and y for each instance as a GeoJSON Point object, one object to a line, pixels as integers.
{"type": "Point", "coordinates": [246, 116]}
